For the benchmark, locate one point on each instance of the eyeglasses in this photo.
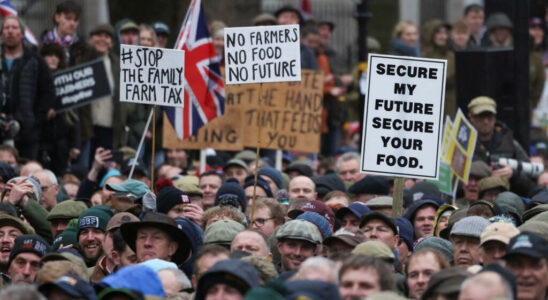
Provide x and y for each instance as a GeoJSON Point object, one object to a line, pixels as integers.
{"type": "Point", "coordinates": [260, 221]}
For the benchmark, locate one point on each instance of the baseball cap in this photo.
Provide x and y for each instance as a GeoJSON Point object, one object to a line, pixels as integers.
{"type": "Point", "coordinates": [358, 209]}
{"type": "Point", "coordinates": [499, 231]}
{"type": "Point", "coordinates": [160, 27]}
{"type": "Point", "coordinates": [316, 206]}
{"type": "Point", "coordinates": [72, 285]}
{"type": "Point", "coordinates": [139, 166]}
{"type": "Point", "coordinates": [133, 186]}
{"type": "Point", "coordinates": [120, 218]}
{"type": "Point", "coordinates": [375, 215]}
{"type": "Point", "coordinates": [482, 104]}
{"type": "Point", "coordinates": [129, 25]}
{"type": "Point", "coordinates": [299, 230]}
{"type": "Point", "coordinates": [346, 236]}
{"type": "Point", "coordinates": [528, 244]}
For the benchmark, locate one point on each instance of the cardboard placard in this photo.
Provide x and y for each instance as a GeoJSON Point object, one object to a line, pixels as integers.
{"type": "Point", "coordinates": [290, 118]}
{"type": "Point", "coordinates": [262, 54]}
{"type": "Point", "coordinates": [461, 147]}
{"type": "Point", "coordinates": [151, 75]}
{"type": "Point", "coordinates": [403, 113]}
{"type": "Point", "coordinates": [81, 84]}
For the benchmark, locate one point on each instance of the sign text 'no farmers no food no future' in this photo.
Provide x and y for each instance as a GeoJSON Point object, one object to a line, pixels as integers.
{"type": "Point", "coordinates": [262, 54]}
{"type": "Point", "coordinates": [152, 75]}
{"type": "Point", "coordinates": [404, 105]}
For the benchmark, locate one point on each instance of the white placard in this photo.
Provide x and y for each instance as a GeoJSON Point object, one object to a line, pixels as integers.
{"type": "Point", "coordinates": [151, 75]}
{"type": "Point", "coordinates": [402, 118]}
{"type": "Point", "coordinates": [262, 54]}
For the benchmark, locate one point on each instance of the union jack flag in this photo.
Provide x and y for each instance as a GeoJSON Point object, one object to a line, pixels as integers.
{"type": "Point", "coordinates": [204, 89]}
{"type": "Point", "coordinates": [6, 9]}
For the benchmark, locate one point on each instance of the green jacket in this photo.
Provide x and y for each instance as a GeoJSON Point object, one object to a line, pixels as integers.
{"type": "Point", "coordinates": [36, 215]}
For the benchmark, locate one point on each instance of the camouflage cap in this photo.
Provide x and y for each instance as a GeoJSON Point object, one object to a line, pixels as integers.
{"type": "Point", "coordinates": [300, 230]}
{"type": "Point", "coordinates": [222, 232]}
{"type": "Point", "coordinates": [68, 209]}
{"type": "Point", "coordinates": [376, 249]}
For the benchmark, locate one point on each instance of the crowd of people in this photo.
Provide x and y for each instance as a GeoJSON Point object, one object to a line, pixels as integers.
{"type": "Point", "coordinates": [81, 219]}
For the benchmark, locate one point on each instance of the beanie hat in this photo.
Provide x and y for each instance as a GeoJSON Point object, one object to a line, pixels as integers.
{"type": "Point", "coordinates": [435, 243]}
{"type": "Point", "coordinates": [317, 220]}
{"type": "Point", "coordinates": [328, 183]}
{"type": "Point", "coordinates": [29, 243]}
{"type": "Point", "coordinates": [168, 197]}
{"type": "Point", "coordinates": [250, 181]}
{"type": "Point", "coordinates": [273, 174]}
{"type": "Point", "coordinates": [94, 217]}
{"type": "Point", "coordinates": [231, 189]}
{"type": "Point", "coordinates": [68, 237]}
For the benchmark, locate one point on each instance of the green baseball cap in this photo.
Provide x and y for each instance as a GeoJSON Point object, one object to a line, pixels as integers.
{"type": "Point", "coordinates": [222, 232]}
{"type": "Point", "coordinates": [67, 209]}
{"type": "Point", "coordinates": [133, 186]}
{"type": "Point", "coordinates": [376, 249]}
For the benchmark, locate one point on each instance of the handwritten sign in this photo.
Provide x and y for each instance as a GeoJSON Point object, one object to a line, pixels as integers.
{"type": "Point", "coordinates": [290, 118]}
{"type": "Point", "coordinates": [403, 113]}
{"type": "Point", "coordinates": [152, 75]}
{"type": "Point", "coordinates": [81, 84]}
{"type": "Point", "coordinates": [262, 54]}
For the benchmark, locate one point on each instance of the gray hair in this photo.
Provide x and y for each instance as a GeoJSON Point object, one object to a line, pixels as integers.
{"type": "Point", "coordinates": [181, 278]}
{"type": "Point", "coordinates": [348, 156]}
{"type": "Point", "coordinates": [486, 283]}
{"type": "Point", "coordinates": [21, 292]}
{"type": "Point", "coordinates": [320, 263]}
{"type": "Point", "coordinates": [51, 176]}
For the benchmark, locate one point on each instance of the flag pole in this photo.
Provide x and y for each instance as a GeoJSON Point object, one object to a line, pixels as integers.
{"type": "Point", "coordinates": [140, 144]}
{"type": "Point", "coordinates": [259, 124]}
{"type": "Point", "coordinates": [153, 148]}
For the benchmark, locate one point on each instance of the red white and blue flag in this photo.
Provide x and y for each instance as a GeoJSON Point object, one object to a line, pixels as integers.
{"type": "Point", "coordinates": [204, 89]}
{"type": "Point", "coordinates": [6, 9]}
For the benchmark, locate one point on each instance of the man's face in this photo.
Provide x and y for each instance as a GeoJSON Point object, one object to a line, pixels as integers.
{"type": "Point", "coordinates": [466, 250]}
{"type": "Point", "coordinates": [294, 252]}
{"type": "Point", "coordinates": [377, 230]}
{"type": "Point", "coordinates": [91, 242]}
{"type": "Point", "coordinates": [236, 172]}
{"type": "Point", "coordinates": [288, 18]}
{"type": "Point", "coordinates": [23, 268]}
{"type": "Point", "coordinates": [66, 23]}
{"type": "Point", "coordinates": [7, 238]}
{"type": "Point", "coordinates": [403, 252]}
{"type": "Point", "coordinates": [302, 187]}
{"type": "Point", "coordinates": [222, 291]}
{"type": "Point", "coordinates": [207, 261]}
{"type": "Point", "coordinates": [273, 187]}
{"type": "Point", "coordinates": [102, 42]}
{"type": "Point", "coordinates": [531, 276]}
{"type": "Point", "coordinates": [7, 156]}
{"type": "Point", "coordinates": [424, 221]}
{"type": "Point", "coordinates": [154, 243]}
{"type": "Point", "coordinates": [49, 191]}
{"type": "Point", "coordinates": [471, 189]}
{"type": "Point", "coordinates": [209, 186]}
{"type": "Point", "coordinates": [250, 242]}
{"type": "Point", "coordinates": [350, 221]}
{"type": "Point", "coordinates": [492, 251]}
{"type": "Point", "coordinates": [350, 171]}
{"type": "Point", "coordinates": [58, 226]}
{"type": "Point", "coordinates": [263, 221]}
{"type": "Point", "coordinates": [359, 283]}
{"type": "Point", "coordinates": [177, 157]}
{"type": "Point", "coordinates": [127, 258]}
{"type": "Point", "coordinates": [325, 34]}
{"type": "Point", "coordinates": [483, 122]}
{"type": "Point", "coordinates": [460, 38]}
{"type": "Point", "coordinates": [312, 40]}
{"type": "Point", "coordinates": [259, 193]}
{"type": "Point", "coordinates": [12, 34]}
{"type": "Point", "coordinates": [129, 37]}
{"type": "Point", "coordinates": [475, 19]}
{"type": "Point", "coordinates": [419, 272]}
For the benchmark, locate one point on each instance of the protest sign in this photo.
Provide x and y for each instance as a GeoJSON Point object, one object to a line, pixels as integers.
{"type": "Point", "coordinates": [447, 129]}
{"type": "Point", "coordinates": [81, 84]}
{"type": "Point", "coordinates": [444, 182]}
{"type": "Point", "coordinates": [461, 147]}
{"type": "Point", "coordinates": [152, 75]}
{"type": "Point", "coordinates": [290, 117]}
{"type": "Point", "coordinates": [262, 54]}
{"type": "Point", "coordinates": [402, 117]}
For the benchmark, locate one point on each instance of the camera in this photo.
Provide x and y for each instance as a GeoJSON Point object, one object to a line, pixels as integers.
{"type": "Point", "coordinates": [532, 170]}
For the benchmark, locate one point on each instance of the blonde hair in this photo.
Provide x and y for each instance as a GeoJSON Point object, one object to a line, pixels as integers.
{"type": "Point", "coordinates": [401, 26]}
{"type": "Point", "coordinates": [145, 27]}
